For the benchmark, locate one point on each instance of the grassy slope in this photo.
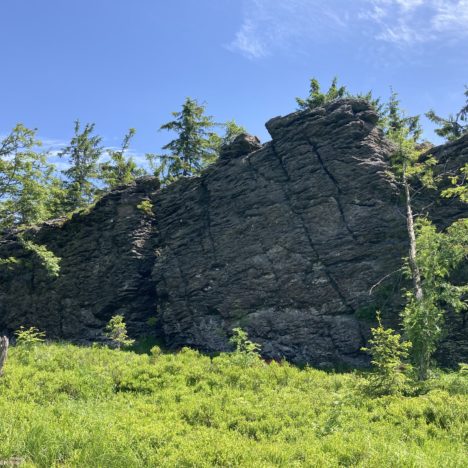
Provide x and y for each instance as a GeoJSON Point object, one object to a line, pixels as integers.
{"type": "Point", "coordinates": [62, 405]}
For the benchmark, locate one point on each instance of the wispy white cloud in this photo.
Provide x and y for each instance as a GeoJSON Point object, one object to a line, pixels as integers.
{"type": "Point", "coordinates": [409, 22]}
{"type": "Point", "coordinates": [248, 41]}
{"type": "Point", "coordinates": [282, 24]}
{"type": "Point", "coordinates": [451, 16]}
{"type": "Point", "coordinates": [272, 25]}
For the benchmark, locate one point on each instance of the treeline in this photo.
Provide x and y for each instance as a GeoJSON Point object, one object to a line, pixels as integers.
{"type": "Point", "coordinates": [32, 190]}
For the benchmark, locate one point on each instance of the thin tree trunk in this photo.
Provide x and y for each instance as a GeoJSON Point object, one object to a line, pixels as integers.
{"type": "Point", "coordinates": [415, 273]}
{"type": "Point", "coordinates": [4, 343]}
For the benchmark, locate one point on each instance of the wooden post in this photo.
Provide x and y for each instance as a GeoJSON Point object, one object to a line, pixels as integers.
{"type": "Point", "coordinates": [4, 343]}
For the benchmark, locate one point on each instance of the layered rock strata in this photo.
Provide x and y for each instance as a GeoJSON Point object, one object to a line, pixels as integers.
{"type": "Point", "coordinates": [285, 239]}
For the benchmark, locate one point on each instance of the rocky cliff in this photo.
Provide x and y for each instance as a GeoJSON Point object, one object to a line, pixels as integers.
{"type": "Point", "coordinates": [284, 239]}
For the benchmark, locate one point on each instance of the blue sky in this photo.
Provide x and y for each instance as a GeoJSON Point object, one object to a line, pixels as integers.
{"type": "Point", "coordinates": [122, 63]}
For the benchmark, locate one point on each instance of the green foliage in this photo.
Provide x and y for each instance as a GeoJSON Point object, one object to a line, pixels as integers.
{"type": "Point", "coordinates": [246, 352]}
{"type": "Point", "coordinates": [146, 207]}
{"type": "Point", "coordinates": [439, 254]}
{"type": "Point", "coordinates": [375, 102]}
{"type": "Point", "coordinates": [452, 127]}
{"type": "Point", "coordinates": [8, 262]}
{"type": "Point", "coordinates": [318, 98]}
{"type": "Point", "coordinates": [27, 184]}
{"type": "Point", "coordinates": [152, 321]}
{"type": "Point", "coordinates": [116, 331]}
{"type": "Point", "coordinates": [82, 155]}
{"type": "Point", "coordinates": [77, 407]}
{"type": "Point", "coordinates": [191, 150]}
{"type": "Point", "coordinates": [432, 255]}
{"type": "Point", "coordinates": [388, 353]}
{"type": "Point", "coordinates": [120, 170]}
{"type": "Point", "coordinates": [404, 132]}
{"type": "Point", "coordinates": [28, 337]}
{"type": "Point", "coordinates": [26, 340]}
{"type": "Point", "coordinates": [30, 191]}
{"type": "Point", "coordinates": [231, 131]}
{"type": "Point", "coordinates": [155, 352]}
{"type": "Point", "coordinates": [459, 187]}
{"type": "Point", "coordinates": [241, 341]}
{"type": "Point", "coordinates": [396, 124]}
{"type": "Point", "coordinates": [47, 258]}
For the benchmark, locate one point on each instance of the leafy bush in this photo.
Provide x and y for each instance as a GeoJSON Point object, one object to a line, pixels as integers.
{"type": "Point", "coordinates": [246, 352]}
{"type": "Point", "coordinates": [116, 331]}
{"type": "Point", "coordinates": [388, 352]}
{"type": "Point", "coordinates": [439, 254]}
{"type": "Point", "coordinates": [47, 258]}
{"type": "Point", "coordinates": [29, 336]}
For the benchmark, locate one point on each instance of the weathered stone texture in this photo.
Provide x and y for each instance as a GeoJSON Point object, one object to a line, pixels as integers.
{"type": "Point", "coordinates": [285, 240]}
{"type": "Point", "coordinates": [106, 260]}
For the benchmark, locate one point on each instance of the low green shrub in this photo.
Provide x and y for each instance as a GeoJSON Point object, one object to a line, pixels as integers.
{"type": "Point", "coordinates": [77, 407]}
{"type": "Point", "coordinates": [116, 331]}
{"type": "Point", "coordinates": [388, 352]}
{"type": "Point", "coordinates": [146, 207]}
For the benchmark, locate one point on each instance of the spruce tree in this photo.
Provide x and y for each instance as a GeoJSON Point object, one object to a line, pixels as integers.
{"type": "Point", "coordinates": [120, 170]}
{"type": "Point", "coordinates": [451, 129]}
{"type": "Point", "coordinates": [82, 154]}
{"type": "Point", "coordinates": [192, 148]}
{"type": "Point", "coordinates": [318, 98]}
{"type": "Point", "coordinates": [27, 182]}
{"type": "Point", "coordinates": [454, 126]}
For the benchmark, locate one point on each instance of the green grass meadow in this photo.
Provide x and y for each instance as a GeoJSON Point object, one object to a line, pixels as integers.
{"type": "Point", "coordinates": [68, 406]}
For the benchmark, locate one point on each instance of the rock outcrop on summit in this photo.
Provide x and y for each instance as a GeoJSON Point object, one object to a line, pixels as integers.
{"type": "Point", "coordinates": [284, 239]}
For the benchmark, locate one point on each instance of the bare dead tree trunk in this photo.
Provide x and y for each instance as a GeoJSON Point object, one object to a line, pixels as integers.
{"type": "Point", "coordinates": [4, 343]}
{"type": "Point", "coordinates": [415, 273]}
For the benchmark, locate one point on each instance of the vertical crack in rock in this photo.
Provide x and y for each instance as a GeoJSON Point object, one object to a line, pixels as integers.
{"type": "Point", "coordinates": [300, 216]}
{"type": "Point", "coordinates": [337, 186]}
{"type": "Point", "coordinates": [206, 202]}
{"type": "Point", "coordinates": [183, 279]}
{"type": "Point", "coordinates": [253, 170]}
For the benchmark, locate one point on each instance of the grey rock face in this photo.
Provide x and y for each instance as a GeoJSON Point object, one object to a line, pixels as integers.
{"type": "Point", "coordinates": [284, 240]}
{"type": "Point", "coordinates": [106, 261]}
{"type": "Point", "coordinates": [243, 144]}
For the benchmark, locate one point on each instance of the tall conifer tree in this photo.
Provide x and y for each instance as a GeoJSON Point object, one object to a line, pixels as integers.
{"type": "Point", "coordinates": [192, 148]}
{"type": "Point", "coordinates": [83, 154]}
{"type": "Point", "coordinates": [27, 183]}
